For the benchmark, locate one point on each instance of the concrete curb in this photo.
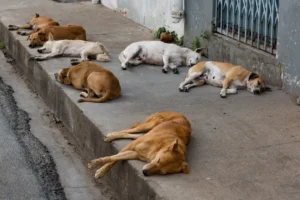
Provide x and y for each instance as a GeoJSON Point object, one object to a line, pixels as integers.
{"type": "Point", "coordinates": [90, 144]}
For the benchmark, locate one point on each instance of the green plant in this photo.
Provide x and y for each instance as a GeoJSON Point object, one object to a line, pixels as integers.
{"type": "Point", "coordinates": [159, 31]}
{"type": "Point", "coordinates": [179, 41]}
{"type": "Point", "coordinates": [196, 43]}
{"type": "Point", "coordinates": [205, 34]}
{"type": "Point", "coordinates": [2, 45]}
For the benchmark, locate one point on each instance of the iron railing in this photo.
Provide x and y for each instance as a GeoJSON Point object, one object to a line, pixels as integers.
{"type": "Point", "coordinates": [254, 22]}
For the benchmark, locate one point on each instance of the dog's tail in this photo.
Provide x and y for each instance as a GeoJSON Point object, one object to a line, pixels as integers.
{"type": "Point", "coordinates": [103, 48]}
{"type": "Point", "coordinates": [102, 99]}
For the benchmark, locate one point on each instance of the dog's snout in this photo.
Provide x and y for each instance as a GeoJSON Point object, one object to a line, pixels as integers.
{"type": "Point", "coordinates": [56, 76]}
{"type": "Point", "coordinates": [31, 46]}
{"type": "Point", "coordinates": [145, 172]}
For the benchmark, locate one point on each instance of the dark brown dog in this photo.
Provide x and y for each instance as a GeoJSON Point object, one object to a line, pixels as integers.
{"type": "Point", "coordinates": [164, 146]}
{"type": "Point", "coordinates": [101, 84]}
{"type": "Point", "coordinates": [69, 32]}
{"type": "Point", "coordinates": [35, 24]}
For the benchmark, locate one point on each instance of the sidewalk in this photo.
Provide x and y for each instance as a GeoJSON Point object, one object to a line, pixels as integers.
{"type": "Point", "coordinates": [242, 147]}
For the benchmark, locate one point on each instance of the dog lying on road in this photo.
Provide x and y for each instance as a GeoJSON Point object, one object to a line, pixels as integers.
{"type": "Point", "coordinates": [229, 77]}
{"type": "Point", "coordinates": [35, 24]}
{"type": "Point", "coordinates": [100, 83]}
{"type": "Point", "coordinates": [159, 53]}
{"type": "Point", "coordinates": [164, 146]}
{"type": "Point", "coordinates": [75, 48]}
{"type": "Point", "coordinates": [69, 32]}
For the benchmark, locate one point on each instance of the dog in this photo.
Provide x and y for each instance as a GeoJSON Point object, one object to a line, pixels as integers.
{"type": "Point", "coordinates": [35, 24]}
{"type": "Point", "coordinates": [69, 32]}
{"type": "Point", "coordinates": [75, 48]}
{"type": "Point", "coordinates": [101, 84]}
{"type": "Point", "coordinates": [228, 76]}
{"type": "Point", "coordinates": [159, 53]}
{"type": "Point", "coordinates": [164, 146]}
{"type": "Point", "coordinates": [298, 101]}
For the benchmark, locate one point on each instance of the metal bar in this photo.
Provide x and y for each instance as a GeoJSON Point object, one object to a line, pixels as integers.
{"type": "Point", "coordinates": [221, 13]}
{"type": "Point", "coordinates": [246, 19]}
{"type": "Point", "coordinates": [252, 20]}
{"type": "Point", "coordinates": [239, 23]}
{"type": "Point", "coordinates": [258, 23]}
{"type": "Point", "coordinates": [216, 12]}
{"type": "Point", "coordinates": [233, 17]}
{"type": "Point", "coordinates": [227, 17]}
{"type": "Point", "coordinates": [266, 23]}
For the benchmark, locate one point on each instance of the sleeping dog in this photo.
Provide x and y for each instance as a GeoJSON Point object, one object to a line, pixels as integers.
{"type": "Point", "coordinates": [75, 48]}
{"type": "Point", "coordinates": [68, 32]}
{"type": "Point", "coordinates": [35, 24]}
{"type": "Point", "coordinates": [229, 77]}
{"type": "Point", "coordinates": [164, 146]}
{"type": "Point", "coordinates": [159, 53]}
{"type": "Point", "coordinates": [100, 83]}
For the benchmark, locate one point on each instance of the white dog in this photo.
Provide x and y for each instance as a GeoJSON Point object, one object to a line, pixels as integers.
{"type": "Point", "coordinates": [159, 53]}
{"type": "Point", "coordinates": [75, 48]}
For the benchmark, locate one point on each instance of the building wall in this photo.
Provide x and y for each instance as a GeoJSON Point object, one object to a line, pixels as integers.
{"type": "Point", "coordinates": [289, 44]}
{"type": "Point", "coordinates": [150, 13]}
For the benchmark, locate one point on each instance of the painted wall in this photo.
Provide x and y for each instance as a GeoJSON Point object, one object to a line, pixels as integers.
{"type": "Point", "coordinates": [150, 13]}
{"type": "Point", "coordinates": [289, 45]}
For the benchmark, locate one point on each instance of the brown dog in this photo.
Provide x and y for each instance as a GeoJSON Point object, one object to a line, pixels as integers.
{"type": "Point", "coordinates": [101, 84]}
{"type": "Point", "coordinates": [69, 32]}
{"type": "Point", "coordinates": [35, 24]}
{"type": "Point", "coordinates": [164, 146]}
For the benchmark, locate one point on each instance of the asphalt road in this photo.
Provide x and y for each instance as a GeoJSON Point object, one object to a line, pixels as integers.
{"type": "Point", "coordinates": [27, 170]}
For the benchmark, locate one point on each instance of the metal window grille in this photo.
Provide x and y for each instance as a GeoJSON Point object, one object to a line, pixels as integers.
{"type": "Point", "coordinates": [254, 22]}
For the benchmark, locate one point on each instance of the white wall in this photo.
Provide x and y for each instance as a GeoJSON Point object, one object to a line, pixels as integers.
{"type": "Point", "coordinates": [150, 13]}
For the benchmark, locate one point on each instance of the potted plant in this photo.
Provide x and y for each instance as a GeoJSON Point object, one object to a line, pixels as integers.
{"type": "Point", "coordinates": [166, 37]}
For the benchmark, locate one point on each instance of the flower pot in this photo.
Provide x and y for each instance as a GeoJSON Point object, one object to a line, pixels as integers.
{"type": "Point", "coordinates": [167, 38]}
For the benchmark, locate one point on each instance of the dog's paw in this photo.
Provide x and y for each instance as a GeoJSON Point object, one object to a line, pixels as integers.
{"type": "Point", "coordinates": [12, 27]}
{"type": "Point", "coordinates": [180, 89]}
{"type": "Point", "coordinates": [107, 139]}
{"type": "Point", "coordinates": [80, 100]}
{"type": "Point", "coordinates": [185, 89]}
{"type": "Point", "coordinates": [75, 61]}
{"type": "Point", "coordinates": [164, 70]}
{"type": "Point", "coordinates": [19, 32]}
{"type": "Point", "coordinates": [83, 94]}
{"type": "Point", "coordinates": [223, 96]}
{"type": "Point", "coordinates": [92, 164]}
{"type": "Point", "coordinates": [124, 68]}
{"type": "Point", "coordinates": [175, 71]}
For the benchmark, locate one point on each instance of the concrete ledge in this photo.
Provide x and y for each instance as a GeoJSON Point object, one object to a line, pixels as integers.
{"type": "Point", "coordinates": [87, 134]}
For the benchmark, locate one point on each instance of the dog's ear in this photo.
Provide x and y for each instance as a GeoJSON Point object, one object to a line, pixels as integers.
{"type": "Point", "coordinates": [185, 168]}
{"type": "Point", "coordinates": [37, 15]}
{"type": "Point", "coordinates": [253, 76]}
{"type": "Point", "coordinates": [50, 37]}
{"type": "Point", "coordinates": [42, 36]}
{"type": "Point", "coordinates": [200, 50]}
{"type": "Point", "coordinates": [174, 145]}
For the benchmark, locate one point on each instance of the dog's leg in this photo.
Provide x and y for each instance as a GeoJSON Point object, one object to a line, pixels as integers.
{"type": "Point", "coordinates": [123, 155]}
{"type": "Point", "coordinates": [188, 79]}
{"type": "Point", "coordinates": [45, 57]}
{"type": "Point", "coordinates": [226, 84]}
{"type": "Point", "coordinates": [121, 135]}
{"type": "Point", "coordinates": [141, 128]}
{"type": "Point", "coordinates": [14, 27]}
{"type": "Point", "coordinates": [174, 68]}
{"type": "Point", "coordinates": [194, 84]}
{"type": "Point", "coordinates": [84, 55]}
{"type": "Point", "coordinates": [132, 53]}
{"type": "Point", "coordinates": [23, 33]}
{"type": "Point", "coordinates": [231, 90]}
{"type": "Point", "coordinates": [104, 169]}
{"type": "Point", "coordinates": [166, 63]}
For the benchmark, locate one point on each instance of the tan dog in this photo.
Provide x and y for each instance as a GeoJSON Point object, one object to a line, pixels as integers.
{"type": "Point", "coordinates": [101, 84]}
{"type": "Point", "coordinates": [69, 32]}
{"type": "Point", "coordinates": [35, 24]}
{"type": "Point", "coordinates": [229, 77]}
{"type": "Point", "coordinates": [164, 146]}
